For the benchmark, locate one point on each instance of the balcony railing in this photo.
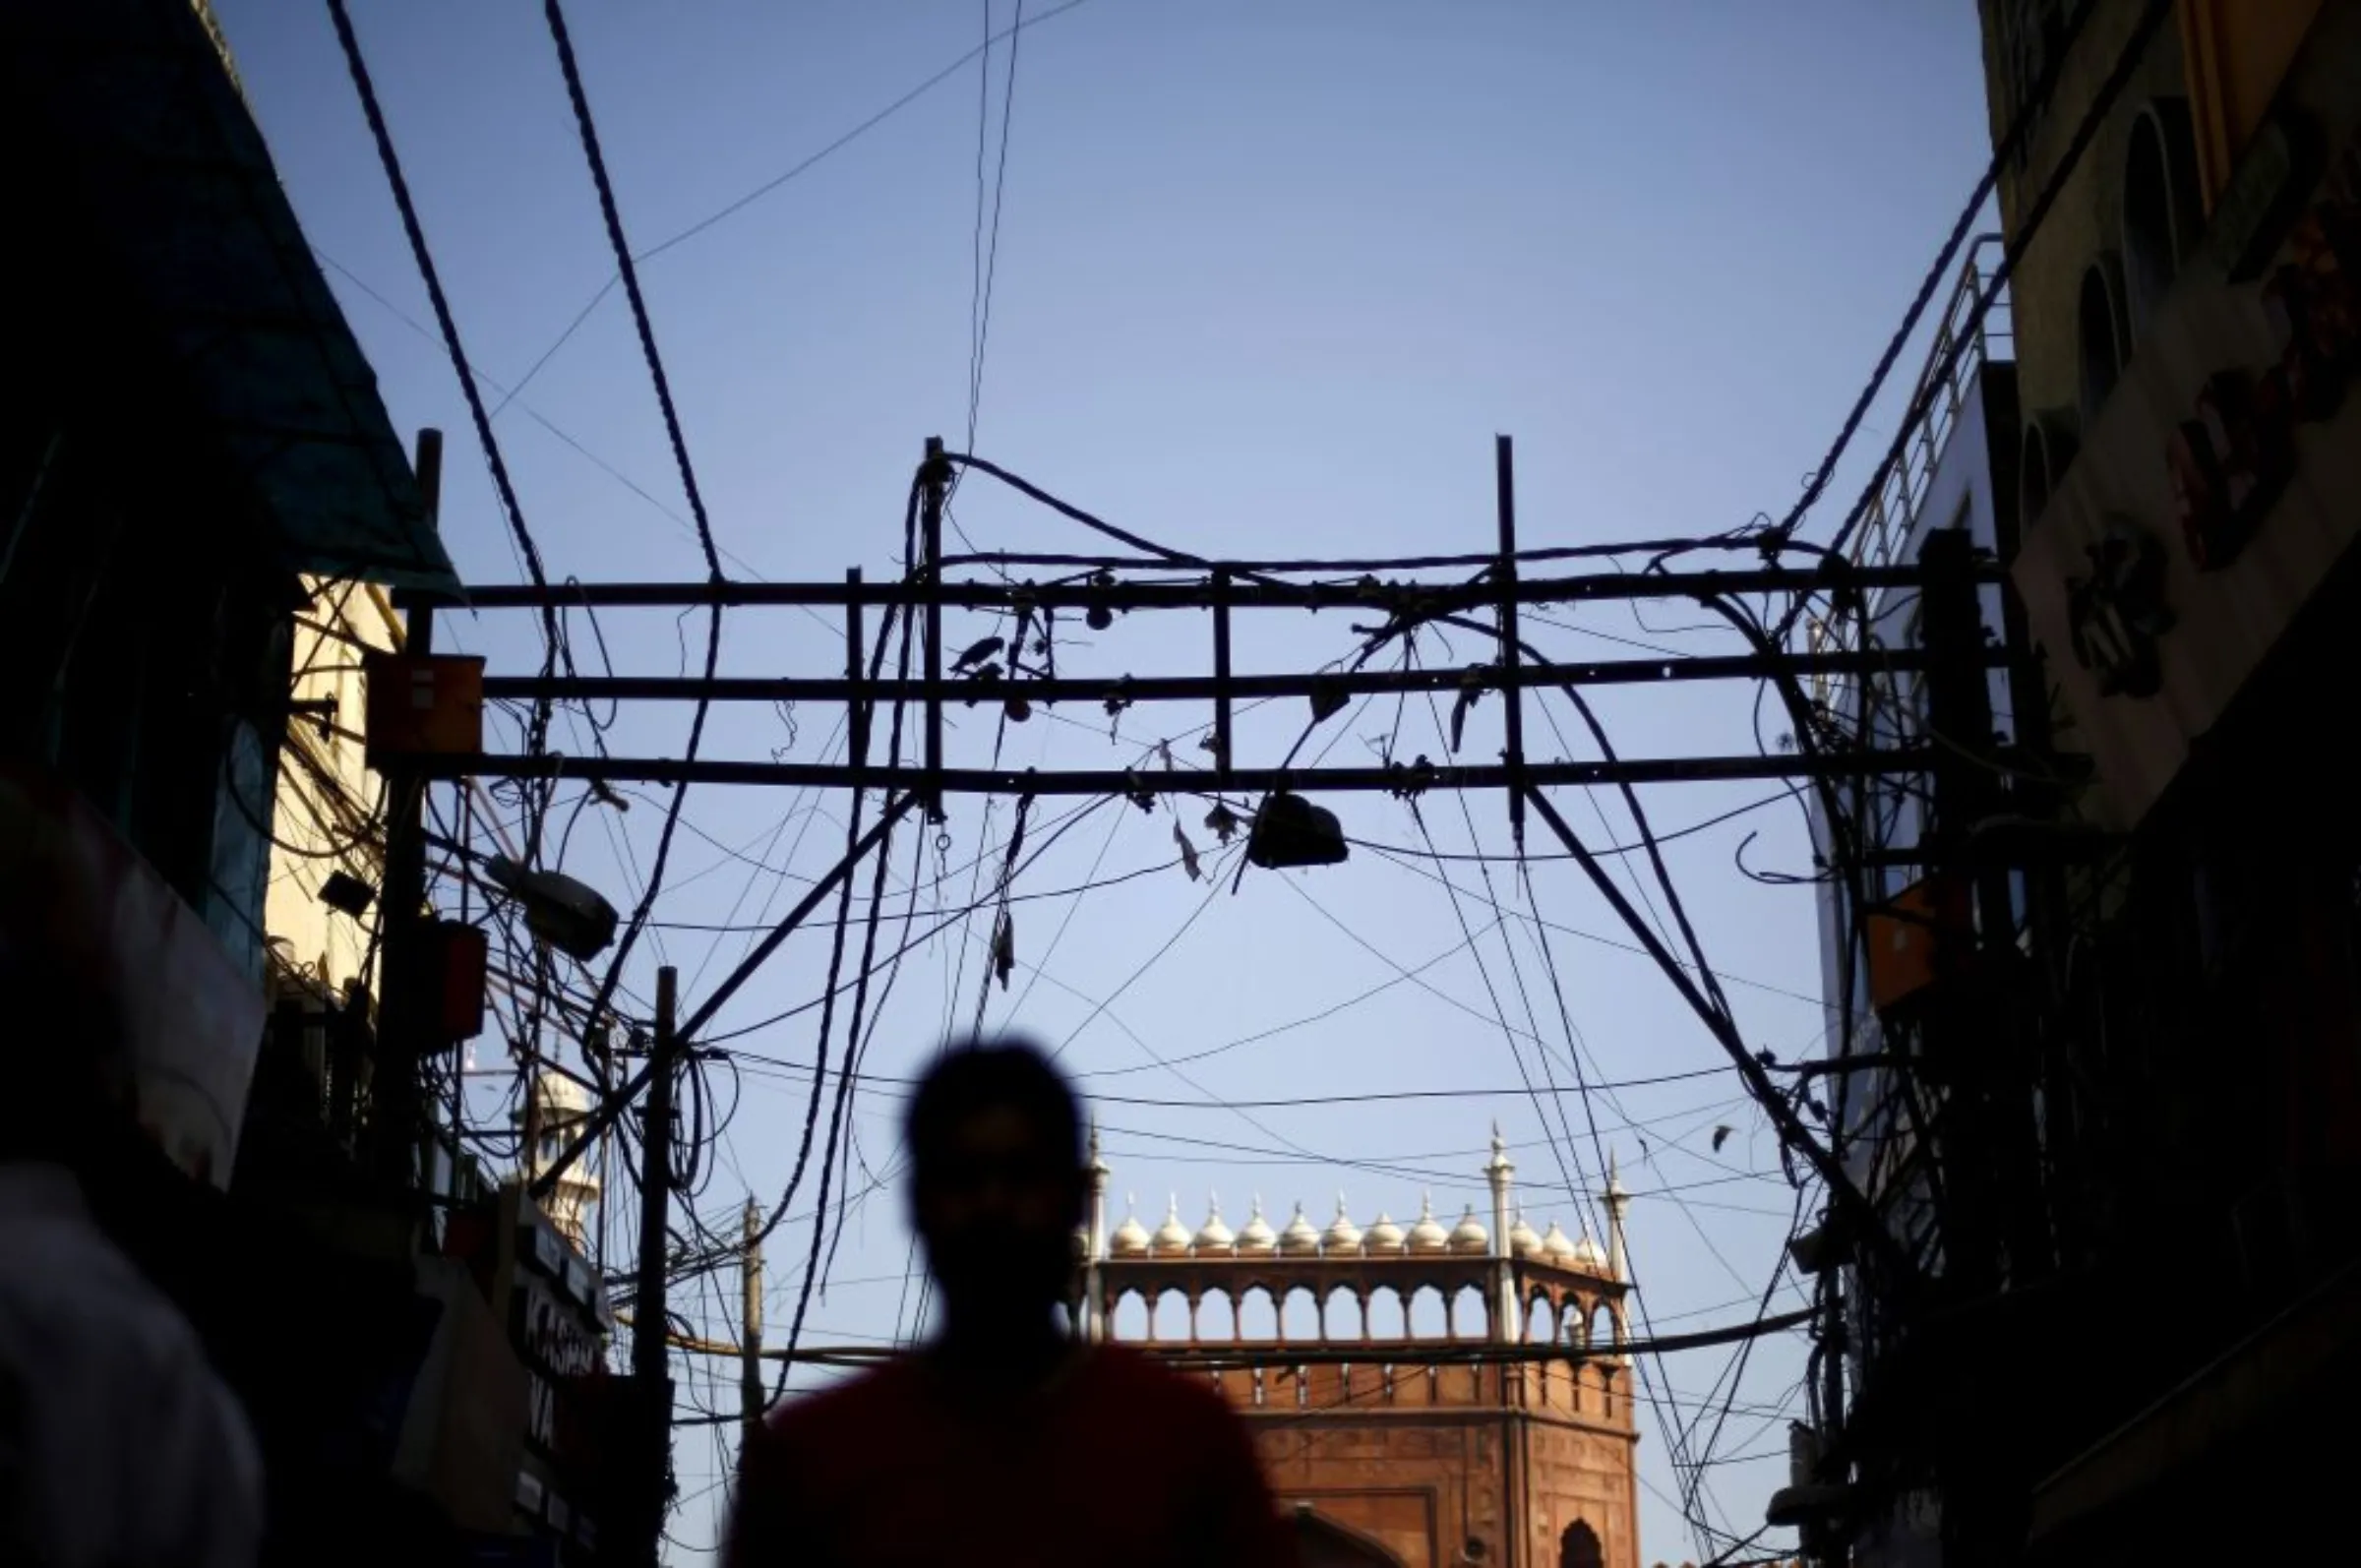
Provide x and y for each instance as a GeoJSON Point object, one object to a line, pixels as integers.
{"type": "Point", "coordinates": [1940, 395]}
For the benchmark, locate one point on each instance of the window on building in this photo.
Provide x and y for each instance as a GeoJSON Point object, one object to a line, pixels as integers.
{"type": "Point", "coordinates": [2036, 35]}
{"type": "Point", "coordinates": [2100, 335]}
{"type": "Point", "coordinates": [2048, 449]}
{"type": "Point", "coordinates": [1579, 1547]}
{"type": "Point", "coordinates": [2163, 213]}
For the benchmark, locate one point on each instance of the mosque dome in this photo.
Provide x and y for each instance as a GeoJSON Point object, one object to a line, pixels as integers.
{"type": "Point", "coordinates": [1131, 1239]}
{"type": "Point", "coordinates": [1556, 1245]}
{"type": "Point", "coordinates": [1586, 1254]}
{"type": "Point", "coordinates": [1523, 1239]}
{"type": "Point", "coordinates": [1300, 1240]}
{"type": "Point", "coordinates": [1257, 1239]}
{"type": "Point", "coordinates": [1469, 1234]}
{"type": "Point", "coordinates": [1385, 1236]}
{"type": "Point", "coordinates": [1214, 1238]}
{"type": "Point", "coordinates": [559, 1092]}
{"type": "Point", "coordinates": [1170, 1240]}
{"type": "Point", "coordinates": [1429, 1235]}
{"type": "Point", "coordinates": [1342, 1235]}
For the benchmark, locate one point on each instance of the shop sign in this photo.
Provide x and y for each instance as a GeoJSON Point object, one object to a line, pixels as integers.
{"type": "Point", "coordinates": [558, 1346]}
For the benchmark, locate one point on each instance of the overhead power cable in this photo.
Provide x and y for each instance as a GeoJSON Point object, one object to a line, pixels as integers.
{"type": "Point", "coordinates": [555, 12]}
{"type": "Point", "coordinates": [890, 1082]}
{"type": "Point", "coordinates": [794, 171]}
{"type": "Point", "coordinates": [1437, 1353]}
{"type": "Point", "coordinates": [989, 264]}
{"type": "Point", "coordinates": [2028, 225]}
{"type": "Point", "coordinates": [2011, 141]}
{"type": "Point", "coordinates": [357, 66]}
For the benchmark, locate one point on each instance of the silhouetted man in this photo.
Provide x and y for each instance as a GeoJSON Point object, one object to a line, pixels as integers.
{"type": "Point", "coordinates": [1006, 1440]}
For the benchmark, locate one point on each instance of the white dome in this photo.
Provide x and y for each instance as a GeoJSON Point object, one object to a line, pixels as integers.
{"type": "Point", "coordinates": [1429, 1235]}
{"type": "Point", "coordinates": [557, 1092]}
{"type": "Point", "coordinates": [1557, 1246]}
{"type": "Point", "coordinates": [1214, 1238]}
{"type": "Point", "coordinates": [1342, 1235]}
{"type": "Point", "coordinates": [1586, 1254]}
{"type": "Point", "coordinates": [1170, 1240]}
{"type": "Point", "coordinates": [1523, 1239]}
{"type": "Point", "coordinates": [1257, 1239]}
{"type": "Point", "coordinates": [1131, 1239]}
{"type": "Point", "coordinates": [1300, 1240]}
{"type": "Point", "coordinates": [1469, 1235]}
{"type": "Point", "coordinates": [1385, 1236]}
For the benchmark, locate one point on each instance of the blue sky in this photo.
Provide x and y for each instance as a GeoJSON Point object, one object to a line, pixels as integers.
{"type": "Point", "coordinates": [1269, 278]}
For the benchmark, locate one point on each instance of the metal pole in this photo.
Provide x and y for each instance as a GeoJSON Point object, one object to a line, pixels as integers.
{"type": "Point", "coordinates": [401, 1039]}
{"type": "Point", "coordinates": [1256, 592]}
{"type": "Point", "coordinates": [1392, 779]}
{"type": "Point", "coordinates": [857, 706]}
{"type": "Point", "coordinates": [649, 1320]}
{"type": "Point", "coordinates": [1505, 465]}
{"type": "Point", "coordinates": [1992, 1231]}
{"type": "Point", "coordinates": [1222, 745]}
{"type": "Point", "coordinates": [930, 480]}
{"type": "Point", "coordinates": [1200, 688]}
{"type": "Point", "coordinates": [750, 1398]}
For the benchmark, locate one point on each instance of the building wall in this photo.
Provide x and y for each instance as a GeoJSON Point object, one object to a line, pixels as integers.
{"type": "Point", "coordinates": [1432, 1462]}
{"type": "Point", "coordinates": [2085, 222]}
{"type": "Point", "coordinates": [2238, 51]}
{"type": "Point", "coordinates": [331, 810]}
{"type": "Point", "coordinates": [1426, 1460]}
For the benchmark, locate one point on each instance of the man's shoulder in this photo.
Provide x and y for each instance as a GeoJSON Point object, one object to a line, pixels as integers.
{"type": "Point", "coordinates": [872, 1393]}
{"type": "Point", "coordinates": [1142, 1380]}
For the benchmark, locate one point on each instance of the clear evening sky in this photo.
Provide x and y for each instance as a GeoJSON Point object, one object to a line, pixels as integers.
{"type": "Point", "coordinates": [1269, 278]}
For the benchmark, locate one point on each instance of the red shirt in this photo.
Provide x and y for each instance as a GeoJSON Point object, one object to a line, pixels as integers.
{"type": "Point", "coordinates": [1115, 1462]}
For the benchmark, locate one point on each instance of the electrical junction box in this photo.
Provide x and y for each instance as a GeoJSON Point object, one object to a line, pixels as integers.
{"type": "Point", "coordinates": [430, 705]}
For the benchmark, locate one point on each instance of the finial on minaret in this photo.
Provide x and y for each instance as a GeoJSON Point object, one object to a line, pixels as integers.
{"type": "Point", "coordinates": [1499, 1164]}
{"type": "Point", "coordinates": [1619, 1204]}
{"type": "Point", "coordinates": [1095, 1227]}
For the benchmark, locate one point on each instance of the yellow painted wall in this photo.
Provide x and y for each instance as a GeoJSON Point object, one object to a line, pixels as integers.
{"type": "Point", "coordinates": [2237, 52]}
{"type": "Point", "coordinates": [330, 811]}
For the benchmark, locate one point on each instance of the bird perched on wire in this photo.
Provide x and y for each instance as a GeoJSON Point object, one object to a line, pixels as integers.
{"type": "Point", "coordinates": [977, 654]}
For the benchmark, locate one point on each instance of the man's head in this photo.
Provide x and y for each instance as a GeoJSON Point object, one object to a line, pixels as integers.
{"type": "Point", "coordinates": [996, 1182]}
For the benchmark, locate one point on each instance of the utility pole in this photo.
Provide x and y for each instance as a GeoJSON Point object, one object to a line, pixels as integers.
{"type": "Point", "coordinates": [1969, 1045]}
{"type": "Point", "coordinates": [749, 1328]}
{"type": "Point", "coordinates": [650, 1321]}
{"type": "Point", "coordinates": [1505, 462]}
{"type": "Point", "coordinates": [395, 1124]}
{"type": "Point", "coordinates": [933, 479]}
